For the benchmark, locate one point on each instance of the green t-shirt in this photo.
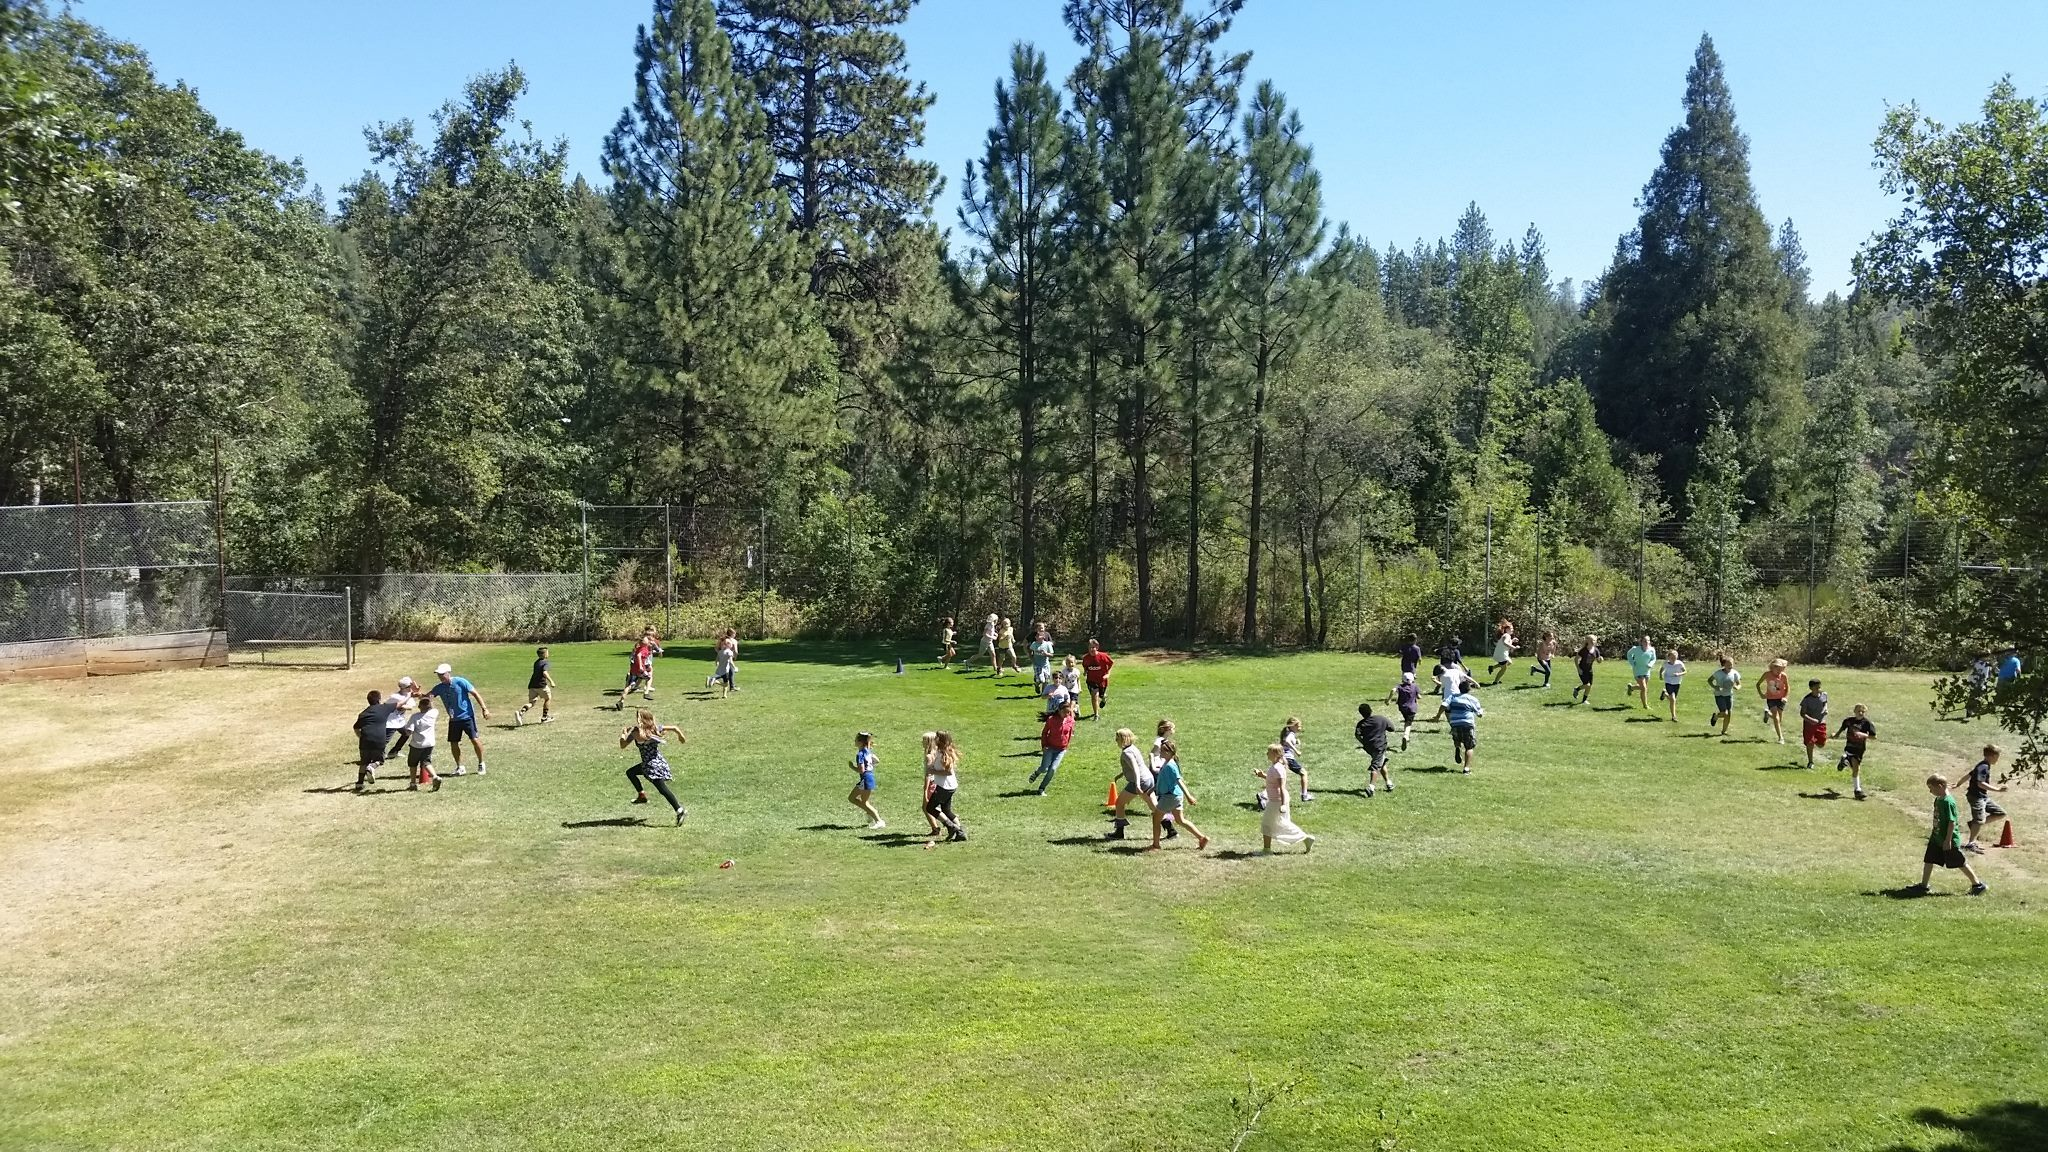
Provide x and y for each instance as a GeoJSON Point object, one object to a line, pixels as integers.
{"type": "Point", "coordinates": [1725, 681]}
{"type": "Point", "coordinates": [1641, 660]}
{"type": "Point", "coordinates": [1948, 830]}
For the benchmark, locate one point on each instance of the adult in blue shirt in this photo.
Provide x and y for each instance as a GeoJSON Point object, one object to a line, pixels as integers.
{"type": "Point", "coordinates": [1465, 712]}
{"type": "Point", "coordinates": [2009, 667]}
{"type": "Point", "coordinates": [455, 695]}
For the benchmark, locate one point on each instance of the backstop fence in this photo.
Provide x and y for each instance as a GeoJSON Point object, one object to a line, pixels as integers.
{"type": "Point", "coordinates": [86, 571]}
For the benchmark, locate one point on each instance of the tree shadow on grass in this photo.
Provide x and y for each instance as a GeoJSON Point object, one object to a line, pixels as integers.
{"type": "Point", "coordinates": [2001, 1126]}
{"type": "Point", "coordinates": [609, 822]}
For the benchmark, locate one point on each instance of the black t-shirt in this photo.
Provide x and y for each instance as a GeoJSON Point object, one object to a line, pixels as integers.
{"type": "Point", "coordinates": [539, 679]}
{"type": "Point", "coordinates": [370, 722]}
{"type": "Point", "coordinates": [1372, 732]}
{"type": "Point", "coordinates": [1411, 657]}
{"type": "Point", "coordinates": [1858, 730]}
{"type": "Point", "coordinates": [1585, 656]}
{"type": "Point", "coordinates": [1980, 779]}
{"type": "Point", "coordinates": [1450, 654]}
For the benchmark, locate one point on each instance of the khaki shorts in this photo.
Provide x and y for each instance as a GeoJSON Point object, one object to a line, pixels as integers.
{"type": "Point", "coordinates": [533, 694]}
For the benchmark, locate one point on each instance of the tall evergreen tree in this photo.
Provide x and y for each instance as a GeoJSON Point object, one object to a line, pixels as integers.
{"type": "Point", "coordinates": [1280, 211]}
{"type": "Point", "coordinates": [1698, 300]}
{"type": "Point", "coordinates": [1011, 211]}
{"type": "Point", "coordinates": [703, 281]}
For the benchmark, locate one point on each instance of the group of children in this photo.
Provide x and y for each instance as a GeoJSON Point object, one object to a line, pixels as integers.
{"type": "Point", "coordinates": [1057, 685]}
{"type": "Point", "coordinates": [409, 718]}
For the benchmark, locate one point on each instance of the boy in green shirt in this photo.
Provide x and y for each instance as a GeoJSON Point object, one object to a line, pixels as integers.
{"type": "Point", "coordinates": [1945, 841]}
{"type": "Point", "coordinates": [1724, 680]}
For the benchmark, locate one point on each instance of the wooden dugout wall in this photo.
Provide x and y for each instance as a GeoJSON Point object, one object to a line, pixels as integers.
{"type": "Point", "coordinates": [112, 655]}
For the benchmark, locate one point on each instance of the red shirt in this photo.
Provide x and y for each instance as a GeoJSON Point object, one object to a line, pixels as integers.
{"type": "Point", "coordinates": [1058, 731]}
{"type": "Point", "coordinates": [1096, 665]}
{"type": "Point", "coordinates": [643, 657]}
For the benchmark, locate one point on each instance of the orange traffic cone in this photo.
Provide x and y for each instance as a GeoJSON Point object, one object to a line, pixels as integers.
{"type": "Point", "coordinates": [2005, 839]}
{"type": "Point", "coordinates": [1111, 803]}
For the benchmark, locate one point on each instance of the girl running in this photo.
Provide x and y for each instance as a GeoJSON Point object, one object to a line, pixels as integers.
{"type": "Point", "coordinates": [1674, 679]}
{"type": "Point", "coordinates": [1504, 645]}
{"type": "Point", "coordinates": [1290, 747]}
{"type": "Point", "coordinates": [1006, 645]}
{"type": "Point", "coordinates": [945, 776]}
{"type": "Point", "coordinates": [1774, 686]}
{"type": "Point", "coordinates": [931, 759]}
{"type": "Point", "coordinates": [646, 735]}
{"type": "Point", "coordinates": [862, 796]}
{"type": "Point", "coordinates": [1134, 778]}
{"type": "Point", "coordinates": [1052, 747]}
{"type": "Point", "coordinates": [1162, 736]}
{"type": "Point", "coordinates": [1546, 651]}
{"type": "Point", "coordinates": [1070, 675]}
{"type": "Point", "coordinates": [1278, 821]}
{"type": "Point", "coordinates": [1587, 656]}
{"type": "Point", "coordinates": [1041, 660]}
{"type": "Point", "coordinates": [725, 665]}
{"type": "Point", "coordinates": [639, 671]}
{"type": "Point", "coordinates": [1170, 797]}
{"type": "Point", "coordinates": [946, 648]}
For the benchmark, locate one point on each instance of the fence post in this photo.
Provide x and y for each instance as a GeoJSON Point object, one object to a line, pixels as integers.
{"type": "Point", "coordinates": [1486, 577]}
{"type": "Point", "coordinates": [78, 525]}
{"type": "Point", "coordinates": [668, 560]}
{"type": "Point", "coordinates": [589, 613]}
{"type": "Point", "coordinates": [764, 573]}
{"type": "Point", "coordinates": [220, 538]}
{"type": "Point", "coordinates": [1642, 552]}
{"type": "Point", "coordinates": [1812, 554]}
{"type": "Point", "coordinates": [1536, 584]}
{"type": "Point", "coordinates": [1358, 593]}
{"type": "Point", "coordinates": [348, 626]}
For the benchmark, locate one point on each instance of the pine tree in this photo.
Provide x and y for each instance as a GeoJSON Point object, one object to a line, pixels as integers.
{"type": "Point", "coordinates": [1279, 209]}
{"type": "Point", "coordinates": [1698, 300]}
{"type": "Point", "coordinates": [706, 317]}
{"type": "Point", "coordinates": [1011, 211]}
{"type": "Point", "coordinates": [1714, 511]}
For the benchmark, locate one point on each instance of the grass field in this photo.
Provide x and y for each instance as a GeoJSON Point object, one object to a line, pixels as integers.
{"type": "Point", "coordinates": [1615, 934]}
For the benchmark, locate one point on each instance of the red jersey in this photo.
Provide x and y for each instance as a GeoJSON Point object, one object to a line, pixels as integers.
{"type": "Point", "coordinates": [643, 659]}
{"type": "Point", "coordinates": [1058, 731]}
{"type": "Point", "coordinates": [1096, 665]}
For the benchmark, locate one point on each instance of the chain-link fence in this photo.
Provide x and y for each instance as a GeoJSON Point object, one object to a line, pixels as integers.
{"type": "Point", "coordinates": [447, 605]}
{"type": "Point", "coordinates": [85, 571]}
{"type": "Point", "coordinates": [300, 628]}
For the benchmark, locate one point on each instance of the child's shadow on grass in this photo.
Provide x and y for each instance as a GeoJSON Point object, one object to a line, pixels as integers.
{"type": "Point", "coordinates": [1824, 794]}
{"type": "Point", "coordinates": [830, 827]}
{"type": "Point", "coordinates": [1697, 735]}
{"type": "Point", "coordinates": [1781, 768]}
{"type": "Point", "coordinates": [1646, 720]}
{"type": "Point", "coordinates": [1433, 768]}
{"type": "Point", "coordinates": [1564, 704]}
{"type": "Point", "coordinates": [1026, 696]}
{"type": "Point", "coordinates": [1104, 843]}
{"type": "Point", "coordinates": [1017, 793]}
{"type": "Point", "coordinates": [608, 822]}
{"type": "Point", "coordinates": [1612, 707]}
{"type": "Point", "coordinates": [1743, 740]}
{"type": "Point", "coordinates": [1908, 893]}
{"type": "Point", "coordinates": [1019, 755]}
{"type": "Point", "coordinates": [1522, 687]}
{"type": "Point", "coordinates": [897, 839]}
{"type": "Point", "coordinates": [1234, 854]}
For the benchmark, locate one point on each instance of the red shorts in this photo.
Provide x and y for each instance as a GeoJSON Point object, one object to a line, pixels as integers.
{"type": "Point", "coordinates": [1816, 734]}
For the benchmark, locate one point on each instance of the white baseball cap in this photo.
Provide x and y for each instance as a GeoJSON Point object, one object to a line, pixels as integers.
{"type": "Point", "coordinates": [1407, 677]}
{"type": "Point", "coordinates": [405, 681]}
{"type": "Point", "coordinates": [442, 669]}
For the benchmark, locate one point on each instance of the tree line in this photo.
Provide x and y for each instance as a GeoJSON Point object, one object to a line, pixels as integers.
{"type": "Point", "coordinates": [1142, 384]}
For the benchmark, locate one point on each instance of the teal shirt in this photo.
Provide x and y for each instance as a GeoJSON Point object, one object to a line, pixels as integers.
{"type": "Point", "coordinates": [1641, 660]}
{"type": "Point", "coordinates": [1166, 782]}
{"type": "Point", "coordinates": [1725, 681]}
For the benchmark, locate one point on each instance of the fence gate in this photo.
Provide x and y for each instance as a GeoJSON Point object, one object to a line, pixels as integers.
{"type": "Point", "coordinates": [290, 628]}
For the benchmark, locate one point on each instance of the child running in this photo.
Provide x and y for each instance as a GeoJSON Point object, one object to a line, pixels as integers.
{"type": "Point", "coordinates": [419, 752]}
{"type": "Point", "coordinates": [1813, 719]}
{"type": "Point", "coordinates": [990, 629]}
{"type": "Point", "coordinates": [1774, 686]}
{"type": "Point", "coordinates": [1546, 651]}
{"type": "Point", "coordinates": [1407, 698]}
{"type": "Point", "coordinates": [1465, 712]}
{"type": "Point", "coordinates": [540, 688]}
{"type": "Point", "coordinates": [1041, 660]}
{"type": "Point", "coordinates": [1134, 778]}
{"type": "Point", "coordinates": [1674, 679]}
{"type": "Point", "coordinates": [1411, 654]}
{"type": "Point", "coordinates": [1982, 807]}
{"type": "Point", "coordinates": [1726, 682]}
{"type": "Point", "coordinates": [1163, 735]}
{"type": "Point", "coordinates": [1070, 676]}
{"type": "Point", "coordinates": [1006, 645]}
{"type": "Point", "coordinates": [725, 665]}
{"type": "Point", "coordinates": [931, 779]}
{"type": "Point", "coordinates": [1504, 646]}
{"type": "Point", "coordinates": [946, 647]}
{"type": "Point", "coordinates": [863, 794]}
{"type": "Point", "coordinates": [1058, 696]}
{"type": "Point", "coordinates": [1053, 740]}
{"type": "Point", "coordinates": [1171, 798]}
{"type": "Point", "coordinates": [1290, 744]}
{"type": "Point", "coordinates": [1097, 663]}
{"type": "Point", "coordinates": [1641, 658]}
{"type": "Point", "coordinates": [1372, 733]}
{"type": "Point", "coordinates": [944, 771]}
{"type": "Point", "coordinates": [1587, 656]}
{"type": "Point", "coordinates": [647, 736]}
{"type": "Point", "coordinates": [1944, 841]}
{"type": "Point", "coordinates": [1278, 821]}
{"type": "Point", "coordinates": [1857, 732]}
{"type": "Point", "coordinates": [369, 729]}
{"type": "Point", "coordinates": [639, 672]}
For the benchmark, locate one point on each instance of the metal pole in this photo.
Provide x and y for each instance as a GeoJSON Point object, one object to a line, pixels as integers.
{"type": "Point", "coordinates": [220, 539]}
{"type": "Point", "coordinates": [1642, 550]}
{"type": "Point", "coordinates": [583, 508]}
{"type": "Point", "coordinates": [764, 573]}
{"type": "Point", "coordinates": [78, 524]}
{"type": "Point", "coordinates": [1812, 554]}
{"type": "Point", "coordinates": [668, 559]}
{"type": "Point", "coordinates": [1486, 579]}
{"type": "Point", "coordinates": [348, 626]}
{"type": "Point", "coordinates": [1358, 594]}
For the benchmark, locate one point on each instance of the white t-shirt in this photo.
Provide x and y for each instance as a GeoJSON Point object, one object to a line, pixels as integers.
{"type": "Point", "coordinates": [988, 632]}
{"type": "Point", "coordinates": [1158, 742]}
{"type": "Point", "coordinates": [1290, 743]}
{"type": "Point", "coordinates": [400, 714]}
{"type": "Point", "coordinates": [1674, 671]}
{"type": "Point", "coordinates": [422, 724]}
{"type": "Point", "coordinates": [946, 777]}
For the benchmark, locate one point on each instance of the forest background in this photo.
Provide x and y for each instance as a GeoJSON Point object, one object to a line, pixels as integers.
{"type": "Point", "coordinates": [1143, 387]}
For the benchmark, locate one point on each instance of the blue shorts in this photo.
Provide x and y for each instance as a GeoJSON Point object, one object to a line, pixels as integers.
{"type": "Point", "coordinates": [1724, 703]}
{"type": "Point", "coordinates": [867, 781]}
{"type": "Point", "coordinates": [460, 726]}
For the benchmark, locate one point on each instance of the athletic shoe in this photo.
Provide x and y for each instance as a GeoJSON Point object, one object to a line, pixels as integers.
{"type": "Point", "coordinates": [461, 771]}
{"type": "Point", "coordinates": [1307, 796]}
{"type": "Point", "coordinates": [1368, 791]}
{"type": "Point", "coordinates": [479, 767]}
{"type": "Point", "coordinates": [1860, 795]}
{"type": "Point", "coordinates": [1974, 847]}
{"type": "Point", "coordinates": [1914, 890]}
{"type": "Point", "coordinates": [1466, 771]}
{"type": "Point", "coordinates": [680, 813]}
{"type": "Point", "coordinates": [1390, 785]}
{"type": "Point", "coordinates": [547, 719]}
{"type": "Point", "coordinates": [647, 695]}
{"type": "Point", "coordinates": [1979, 888]}
{"type": "Point", "coordinates": [707, 681]}
{"type": "Point", "coordinates": [1842, 764]}
{"type": "Point", "coordinates": [959, 834]}
{"type": "Point", "coordinates": [621, 704]}
{"type": "Point", "coordinates": [640, 799]}
{"type": "Point", "coordinates": [519, 719]}
{"type": "Point", "coordinates": [1404, 743]}
{"type": "Point", "coordinates": [412, 787]}
{"type": "Point", "coordinates": [1308, 845]}
{"type": "Point", "coordinates": [1259, 801]}
{"type": "Point", "coordinates": [1172, 833]}
{"type": "Point", "coordinates": [437, 783]}
{"type": "Point", "coordinates": [879, 824]}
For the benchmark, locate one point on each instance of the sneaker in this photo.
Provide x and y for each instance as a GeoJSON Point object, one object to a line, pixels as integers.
{"type": "Point", "coordinates": [640, 799]}
{"type": "Point", "coordinates": [461, 771]}
{"type": "Point", "coordinates": [1842, 765]}
{"type": "Point", "coordinates": [546, 719]}
{"type": "Point", "coordinates": [519, 719]}
{"type": "Point", "coordinates": [1915, 889]}
{"type": "Point", "coordinates": [1368, 791]}
{"type": "Point", "coordinates": [1307, 796]}
{"type": "Point", "coordinates": [620, 704]}
{"type": "Point", "coordinates": [1308, 845]}
{"type": "Point", "coordinates": [680, 814]}
{"type": "Point", "coordinates": [1979, 888]}
{"type": "Point", "coordinates": [707, 681]}
{"type": "Point", "coordinates": [1258, 801]}
{"type": "Point", "coordinates": [1172, 833]}
{"type": "Point", "coordinates": [1860, 795]}
{"type": "Point", "coordinates": [647, 695]}
{"type": "Point", "coordinates": [1974, 847]}
{"type": "Point", "coordinates": [879, 824]}
{"type": "Point", "coordinates": [1466, 771]}
{"type": "Point", "coordinates": [480, 768]}
{"type": "Point", "coordinates": [1404, 743]}
{"type": "Point", "coordinates": [412, 787]}
{"type": "Point", "coordinates": [437, 784]}
{"type": "Point", "coordinates": [959, 834]}
{"type": "Point", "coordinates": [1390, 785]}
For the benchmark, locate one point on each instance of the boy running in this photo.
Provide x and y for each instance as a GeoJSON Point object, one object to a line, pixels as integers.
{"type": "Point", "coordinates": [540, 686]}
{"type": "Point", "coordinates": [1725, 681]}
{"type": "Point", "coordinates": [1053, 740]}
{"type": "Point", "coordinates": [1407, 698]}
{"type": "Point", "coordinates": [1944, 841]}
{"type": "Point", "coordinates": [1674, 679]}
{"type": "Point", "coordinates": [1587, 656]}
{"type": "Point", "coordinates": [1465, 712]}
{"type": "Point", "coordinates": [1641, 659]}
{"type": "Point", "coordinates": [946, 648]}
{"type": "Point", "coordinates": [1982, 807]}
{"type": "Point", "coordinates": [1774, 686]}
{"type": "Point", "coordinates": [1096, 665]}
{"type": "Point", "coordinates": [1372, 733]}
{"type": "Point", "coordinates": [1813, 719]}
{"type": "Point", "coordinates": [419, 753]}
{"type": "Point", "coordinates": [369, 729]}
{"type": "Point", "coordinates": [1041, 660]}
{"type": "Point", "coordinates": [459, 697]}
{"type": "Point", "coordinates": [639, 671]}
{"type": "Point", "coordinates": [1546, 651]}
{"type": "Point", "coordinates": [863, 794]}
{"type": "Point", "coordinates": [1857, 732]}
{"type": "Point", "coordinates": [1411, 654]}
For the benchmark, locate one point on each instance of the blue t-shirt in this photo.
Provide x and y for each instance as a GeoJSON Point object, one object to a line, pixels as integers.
{"type": "Point", "coordinates": [2009, 668]}
{"type": "Point", "coordinates": [1166, 782]}
{"type": "Point", "coordinates": [1411, 657]}
{"type": "Point", "coordinates": [1464, 708]}
{"type": "Point", "coordinates": [454, 695]}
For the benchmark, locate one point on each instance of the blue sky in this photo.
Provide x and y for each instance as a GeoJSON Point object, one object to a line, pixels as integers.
{"type": "Point", "coordinates": [1549, 113]}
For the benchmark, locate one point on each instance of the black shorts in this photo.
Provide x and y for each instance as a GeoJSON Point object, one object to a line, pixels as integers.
{"type": "Point", "coordinates": [1671, 689]}
{"type": "Point", "coordinates": [1408, 716]}
{"type": "Point", "coordinates": [1852, 756]}
{"type": "Point", "coordinates": [369, 752]}
{"type": "Point", "coordinates": [1945, 855]}
{"type": "Point", "coordinates": [1464, 736]}
{"type": "Point", "coordinates": [418, 757]}
{"type": "Point", "coordinates": [458, 727]}
{"type": "Point", "coordinates": [1775, 705]}
{"type": "Point", "coordinates": [1379, 759]}
{"type": "Point", "coordinates": [1586, 676]}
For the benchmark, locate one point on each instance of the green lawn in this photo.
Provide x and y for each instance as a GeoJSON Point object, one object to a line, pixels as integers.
{"type": "Point", "coordinates": [1615, 934]}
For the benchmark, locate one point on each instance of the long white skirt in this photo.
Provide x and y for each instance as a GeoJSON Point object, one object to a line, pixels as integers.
{"type": "Point", "coordinates": [1278, 823]}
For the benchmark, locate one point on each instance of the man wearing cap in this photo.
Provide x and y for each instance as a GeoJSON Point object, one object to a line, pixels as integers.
{"type": "Point", "coordinates": [456, 694]}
